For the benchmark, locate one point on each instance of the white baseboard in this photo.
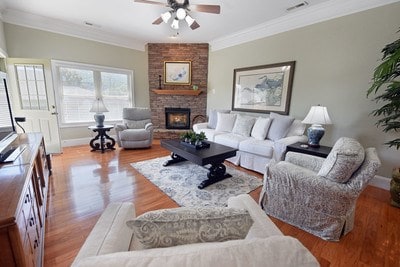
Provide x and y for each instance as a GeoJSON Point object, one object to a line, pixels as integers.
{"type": "Point", "coordinates": [380, 182]}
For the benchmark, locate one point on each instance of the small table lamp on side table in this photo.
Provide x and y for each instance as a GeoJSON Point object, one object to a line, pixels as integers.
{"type": "Point", "coordinates": [317, 116]}
{"type": "Point", "coordinates": [99, 107]}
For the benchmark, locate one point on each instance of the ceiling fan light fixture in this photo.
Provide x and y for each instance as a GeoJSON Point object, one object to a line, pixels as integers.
{"type": "Point", "coordinates": [166, 16]}
{"type": "Point", "coordinates": [189, 20]}
{"type": "Point", "coordinates": [181, 13]}
{"type": "Point", "coordinates": [175, 24]}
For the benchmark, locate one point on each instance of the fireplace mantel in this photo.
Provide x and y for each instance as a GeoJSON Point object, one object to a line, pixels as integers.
{"type": "Point", "coordinates": [176, 92]}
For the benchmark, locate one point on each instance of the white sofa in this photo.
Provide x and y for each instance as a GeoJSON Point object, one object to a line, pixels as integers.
{"type": "Point", "coordinates": [109, 243]}
{"type": "Point", "coordinates": [257, 144]}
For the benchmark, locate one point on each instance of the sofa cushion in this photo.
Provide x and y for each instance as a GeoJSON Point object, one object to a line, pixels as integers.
{"type": "Point", "coordinates": [271, 251]}
{"type": "Point", "coordinates": [225, 122]}
{"type": "Point", "coordinates": [262, 148]}
{"type": "Point", "coordinates": [229, 139]}
{"type": "Point", "coordinates": [279, 126]}
{"type": "Point", "coordinates": [140, 124]}
{"type": "Point", "coordinates": [134, 135]}
{"type": "Point", "coordinates": [243, 125]}
{"type": "Point", "coordinates": [173, 227]}
{"type": "Point", "coordinates": [213, 117]}
{"type": "Point", "coordinates": [344, 159]}
{"type": "Point", "coordinates": [260, 128]}
{"type": "Point", "coordinates": [297, 128]}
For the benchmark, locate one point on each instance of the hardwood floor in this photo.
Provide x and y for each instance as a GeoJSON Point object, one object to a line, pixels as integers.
{"type": "Point", "coordinates": [84, 183]}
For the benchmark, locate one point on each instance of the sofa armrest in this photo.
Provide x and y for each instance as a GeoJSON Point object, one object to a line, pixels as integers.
{"type": "Point", "coordinates": [149, 127]}
{"type": "Point", "coordinates": [120, 127]}
{"type": "Point", "coordinates": [281, 145]}
{"type": "Point", "coordinates": [110, 234]}
{"type": "Point", "coordinates": [310, 162]}
{"type": "Point", "coordinates": [199, 126]}
{"type": "Point", "coordinates": [263, 226]}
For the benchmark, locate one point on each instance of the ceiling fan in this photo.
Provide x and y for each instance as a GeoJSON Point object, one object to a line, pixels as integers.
{"type": "Point", "coordinates": [180, 9]}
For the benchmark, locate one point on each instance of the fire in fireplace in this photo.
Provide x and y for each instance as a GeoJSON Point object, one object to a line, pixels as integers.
{"type": "Point", "coordinates": [177, 118]}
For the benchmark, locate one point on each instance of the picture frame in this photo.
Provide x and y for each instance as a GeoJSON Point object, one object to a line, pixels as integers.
{"type": "Point", "coordinates": [263, 89]}
{"type": "Point", "coordinates": [178, 72]}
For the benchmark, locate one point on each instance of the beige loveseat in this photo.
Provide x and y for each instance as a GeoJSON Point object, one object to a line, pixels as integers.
{"type": "Point", "coordinates": [110, 241]}
{"type": "Point", "coordinates": [258, 139]}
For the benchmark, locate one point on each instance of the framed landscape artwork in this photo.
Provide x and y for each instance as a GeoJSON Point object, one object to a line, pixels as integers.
{"type": "Point", "coordinates": [263, 89]}
{"type": "Point", "coordinates": [177, 72]}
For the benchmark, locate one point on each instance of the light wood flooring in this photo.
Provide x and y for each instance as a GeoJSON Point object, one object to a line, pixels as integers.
{"type": "Point", "coordinates": [84, 183]}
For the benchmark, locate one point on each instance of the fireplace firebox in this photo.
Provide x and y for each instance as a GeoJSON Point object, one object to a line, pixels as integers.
{"type": "Point", "coordinates": [177, 118]}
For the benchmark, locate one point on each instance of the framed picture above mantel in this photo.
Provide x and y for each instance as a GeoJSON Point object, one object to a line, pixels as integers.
{"type": "Point", "coordinates": [177, 72]}
{"type": "Point", "coordinates": [263, 89]}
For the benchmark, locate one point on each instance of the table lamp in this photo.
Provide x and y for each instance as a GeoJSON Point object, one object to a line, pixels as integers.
{"type": "Point", "coordinates": [317, 116]}
{"type": "Point", "coordinates": [98, 107]}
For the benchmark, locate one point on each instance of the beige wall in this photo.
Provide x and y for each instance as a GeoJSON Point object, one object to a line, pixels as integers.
{"type": "Point", "coordinates": [334, 65]}
{"type": "Point", "coordinates": [25, 42]}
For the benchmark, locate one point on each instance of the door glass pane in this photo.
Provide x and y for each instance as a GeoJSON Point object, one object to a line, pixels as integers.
{"type": "Point", "coordinates": [32, 87]}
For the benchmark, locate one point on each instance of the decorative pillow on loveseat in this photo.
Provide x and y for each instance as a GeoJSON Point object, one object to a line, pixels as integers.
{"type": "Point", "coordinates": [243, 125]}
{"type": "Point", "coordinates": [179, 226]}
{"type": "Point", "coordinates": [279, 126]}
{"type": "Point", "coordinates": [344, 159]}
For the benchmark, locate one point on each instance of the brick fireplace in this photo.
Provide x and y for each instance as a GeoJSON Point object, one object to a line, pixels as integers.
{"type": "Point", "coordinates": [197, 103]}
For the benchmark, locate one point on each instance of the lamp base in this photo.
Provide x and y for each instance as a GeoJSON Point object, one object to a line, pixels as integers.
{"type": "Point", "coordinates": [99, 118]}
{"type": "Point", "coordinates": [315, 133]}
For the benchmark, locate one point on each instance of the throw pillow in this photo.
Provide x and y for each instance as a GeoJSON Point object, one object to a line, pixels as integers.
{"type": "Point", "coordinates": [279, 126]}
{"type": "Point", "coordinates": [225, 122]}
{"type": "Point", "coordinates": [213, 117]}
{"type": "Point", "coordinates": [179, 226]}
{"type": "Point", "coordinates": [344, 159]}
{"type": "Point", "coordinates": [260, 128]}
{"type": "Point", "coordinates": [243, 125]}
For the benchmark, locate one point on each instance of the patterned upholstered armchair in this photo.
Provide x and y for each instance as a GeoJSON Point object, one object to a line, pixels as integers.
{"type": "Point", "coordinates": [319, 195]}
{"type": "Point", "coordinates": [136, 130]}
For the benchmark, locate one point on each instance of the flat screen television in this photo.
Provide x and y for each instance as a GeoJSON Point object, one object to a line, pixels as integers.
{"type": "Point", "coordinates": [7, 127]}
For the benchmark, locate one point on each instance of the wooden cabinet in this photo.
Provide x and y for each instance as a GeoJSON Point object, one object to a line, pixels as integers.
{"type": "Point", "coordinates": [23, 199]}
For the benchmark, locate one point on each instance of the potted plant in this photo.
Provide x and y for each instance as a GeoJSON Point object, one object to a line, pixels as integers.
{"type": "Point", "coordinates": [195, 139]}
{"type": "Point", "coordinates": [386, 79]}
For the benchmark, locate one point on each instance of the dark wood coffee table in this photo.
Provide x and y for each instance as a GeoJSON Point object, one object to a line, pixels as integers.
{"type": "Point", "coordinates": [214, 155]}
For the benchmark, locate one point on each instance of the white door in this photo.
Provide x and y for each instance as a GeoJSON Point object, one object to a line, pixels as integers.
{"type": "Point", "coordinates": [33, 98]}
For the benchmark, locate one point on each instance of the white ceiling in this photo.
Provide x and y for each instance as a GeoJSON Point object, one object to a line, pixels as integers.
{"type": "Point", "coordinates": [129, 24]}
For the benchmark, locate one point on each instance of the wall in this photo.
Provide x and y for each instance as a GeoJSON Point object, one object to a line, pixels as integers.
{"type": "Point", "coordinates": [25, 42]}
{"type": "Point", "coordinates": [334, 65]}
{"type": "Point", "coordinates": [3, 48]}
{"type": "Point", "coordinates": [157, 54]}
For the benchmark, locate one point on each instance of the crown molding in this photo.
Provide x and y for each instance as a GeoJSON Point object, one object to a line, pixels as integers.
{"type": "Point", "coordinates": [61, 27]}
{"type": "Point", "coordinates": [307, 16]}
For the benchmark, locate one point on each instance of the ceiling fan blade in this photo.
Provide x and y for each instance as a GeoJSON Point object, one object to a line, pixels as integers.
{"type": "Point", "coordinates": [150, 2]}
{"type": "Point", "coordinates": [194, 25]}
{"type": "Point", "coordinates": [215, 9]}
{"type": "Point", "coordinates": [158, 21]}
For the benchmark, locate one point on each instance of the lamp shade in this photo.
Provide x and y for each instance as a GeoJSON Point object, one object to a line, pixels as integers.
{"type": "Point", "coordinates": [98, 106]}
{"type": "Point", "coordinates": [189, 20]}
{"type": "Point", "coordinates": [317, 115]}
{"type": "Point", "coordinates": [166, 16]}
{"type": "Point", "coordinates": [175, 24]}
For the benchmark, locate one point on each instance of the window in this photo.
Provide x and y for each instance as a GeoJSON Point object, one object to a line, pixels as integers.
{"type": "Point", "coordinates": [78, 85]}
{"type": "Point", "coordinates": [31, 86]}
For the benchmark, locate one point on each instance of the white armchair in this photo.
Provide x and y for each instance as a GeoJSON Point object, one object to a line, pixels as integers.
{"type": "Point", "coordinates": [319, 195]}
{"type": "Point", "coordinates": [136, 130]}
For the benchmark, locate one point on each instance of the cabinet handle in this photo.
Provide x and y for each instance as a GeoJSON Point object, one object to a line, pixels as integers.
{"type": "Point", "coordinates": [26, 198]}
{"type": "Point", "coordinates": [35, 244]}
{"type": "Point", "coordinates": [31, 222]}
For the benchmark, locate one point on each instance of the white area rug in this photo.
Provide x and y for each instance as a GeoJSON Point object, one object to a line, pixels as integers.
{"type": "Point", "coordinates": [179, 181]}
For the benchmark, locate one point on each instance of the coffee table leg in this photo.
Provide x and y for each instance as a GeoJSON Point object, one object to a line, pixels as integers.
{"type": "Point", "coordinates": [216, 173]}
{"type": "Point", "coordinates": [174, 159]}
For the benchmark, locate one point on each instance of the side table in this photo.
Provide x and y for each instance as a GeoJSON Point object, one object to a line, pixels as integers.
{"type": "Point", "coordinates": [102, 141]}
{"type": "Point", "coordinates": [321, 151]}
